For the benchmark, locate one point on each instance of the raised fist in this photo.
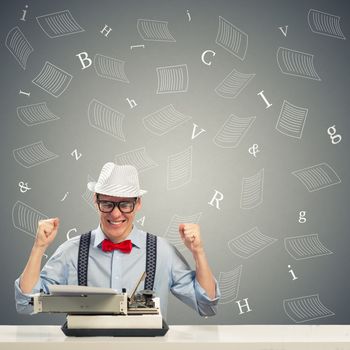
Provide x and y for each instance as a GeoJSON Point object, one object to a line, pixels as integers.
{"type": "Point", "coordinates": [46, 232]}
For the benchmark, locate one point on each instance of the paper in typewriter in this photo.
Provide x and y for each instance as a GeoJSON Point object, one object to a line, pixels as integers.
{"type": "Point", "coordinates": [58, 289]}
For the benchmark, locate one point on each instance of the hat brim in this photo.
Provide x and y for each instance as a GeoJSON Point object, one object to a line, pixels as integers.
{"type": "Point", "coordinates": [115, 191]}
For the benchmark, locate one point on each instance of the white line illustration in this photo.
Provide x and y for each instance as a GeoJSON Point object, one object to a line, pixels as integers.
{"type": "Point", "coordinates": [106, 119]}
{"type": "Point", "coordinates": [305, 247]}
{"type": "Point", "coordinates": [233, 84]}
{"type": "Point", "coordinates": [19, 46]}
{"type": "Point", "coordinates": [232, 131]}
{"type": "Point", "coordinates": [179, 169]}
{"type": "Point", "coordinates": [69, 233]}
{"type": "Point", "coordinates": [229, 283]}
{"type": "Point", "coordinates": [252, 190]}
{"type": "Point", "coordinates": [59, 24]}
{"type": "Point", "coordinates": [136, 46]}
{"type": "Point", "coordinates": [65, 196]}
{"type": "Point", "coordinates": [138, 158]}
{"type": "Point", "coordinates": [33, 154]}
{"type": "Point", "coordinates": [151, 30]}
{"type": "Point", "coordinates": [164, 120]}
{"type": "Point", "coordinates": [88, 196]}
{"type": "Point", "coordinates": [291, 120]}
{"type": "Point", "coordinates": [25, 218]}
{"type": "Point", "coordinates": [296, 63]}
{"type": "Point", "coordinates": [306, 308]}
{"type": "Point", "coordinates": [172, 79]}
{"type": "Point", "coordinates": [53, 80]}
{"type": "Point", "coordinates": [232, 39]}
{"type": "Point", "coordinates": [110, 68]}
{"type": "Point", "coordinates": [317, 177]}
{"type": "Point", "coordinates": [250, 243]}
{"type": "Point", "coordinates": [325, 24]}
{"type": "Point", "coordinates": [172, 233]}
{"type": "Point", "coordinates": [35, 114]}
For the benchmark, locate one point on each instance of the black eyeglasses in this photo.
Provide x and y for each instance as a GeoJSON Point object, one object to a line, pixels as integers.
{"type": "Point", "coordinates": [123, 206]}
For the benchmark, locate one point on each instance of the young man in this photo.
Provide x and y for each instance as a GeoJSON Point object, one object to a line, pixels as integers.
{"type": "Point", "coordinates": [116, 253]}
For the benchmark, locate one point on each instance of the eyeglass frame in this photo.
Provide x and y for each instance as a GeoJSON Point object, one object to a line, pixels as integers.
{"type": "Point", "coordinates": [115, 204]}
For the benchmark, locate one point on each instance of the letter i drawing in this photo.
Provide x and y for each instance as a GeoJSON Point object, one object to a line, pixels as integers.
{"type": "Point", "coordinates": [292, 273]}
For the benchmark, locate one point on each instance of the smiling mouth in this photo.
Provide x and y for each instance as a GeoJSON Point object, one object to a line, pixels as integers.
{"type": "Point", "coordinates": [116, 223]}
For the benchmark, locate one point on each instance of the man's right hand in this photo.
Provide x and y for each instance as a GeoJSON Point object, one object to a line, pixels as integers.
{"type": "Point", "coordinates": [46, 232]}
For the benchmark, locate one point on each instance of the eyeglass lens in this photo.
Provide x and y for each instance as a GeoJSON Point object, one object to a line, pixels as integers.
{"type": "Point", "coordinates": [124, 206]}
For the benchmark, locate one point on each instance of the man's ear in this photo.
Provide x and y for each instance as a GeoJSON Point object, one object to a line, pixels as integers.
{"type": "Point", "coordinates": [95, 201]}
{"type": "Point", "coordinates": [138, 203]}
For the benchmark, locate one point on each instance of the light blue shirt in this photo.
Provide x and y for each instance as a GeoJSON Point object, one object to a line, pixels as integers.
{"type": "Point", "coordinates": [118, 270]}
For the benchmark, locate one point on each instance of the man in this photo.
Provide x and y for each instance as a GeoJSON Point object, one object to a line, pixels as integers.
{"type": "Point", "coordinates": [116, 253]}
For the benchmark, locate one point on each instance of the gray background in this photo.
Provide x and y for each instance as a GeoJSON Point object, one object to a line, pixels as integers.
{"type": "Point", "coordinates": [265, 279]}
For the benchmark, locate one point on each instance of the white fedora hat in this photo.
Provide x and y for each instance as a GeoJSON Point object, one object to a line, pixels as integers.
{"type": "Point", "coordinates": [118, 181]}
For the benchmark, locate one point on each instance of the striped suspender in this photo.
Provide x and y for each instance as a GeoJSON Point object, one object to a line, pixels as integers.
{"type": "Point", "coordinates": [83, 258]}
{"type": "Point", "coordinates": [151, 259]}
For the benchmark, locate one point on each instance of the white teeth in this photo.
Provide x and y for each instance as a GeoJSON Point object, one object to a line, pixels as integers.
{"type": "Point", "coordinates": [116, 222]}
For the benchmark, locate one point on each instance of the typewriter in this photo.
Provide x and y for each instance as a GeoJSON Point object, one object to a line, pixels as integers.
{"type": "Point", "coordinates": [93, 311]}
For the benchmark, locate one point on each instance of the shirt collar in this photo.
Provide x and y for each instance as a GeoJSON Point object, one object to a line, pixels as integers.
{"type": "Point", "coordinates": [135, 236]}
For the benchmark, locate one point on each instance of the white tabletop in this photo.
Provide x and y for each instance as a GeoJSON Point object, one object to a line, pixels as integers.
{"type": "Point", "coordinates": [249, 337]}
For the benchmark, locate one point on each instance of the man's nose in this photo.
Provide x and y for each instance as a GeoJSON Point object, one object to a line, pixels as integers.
{"type": "Point", "coordinates": [116, 210]}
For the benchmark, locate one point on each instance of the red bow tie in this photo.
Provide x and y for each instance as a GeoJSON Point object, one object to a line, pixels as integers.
{"type": "Point", "coordinates": [125, 246]}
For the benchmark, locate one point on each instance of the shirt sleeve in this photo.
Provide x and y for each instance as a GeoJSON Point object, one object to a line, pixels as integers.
{"type": "Point", "coordinates": [23, 299]}
{"type": "Point", "coordinates": [54, 272]}
{"type": "Point", "coordinates": [186, 287]}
